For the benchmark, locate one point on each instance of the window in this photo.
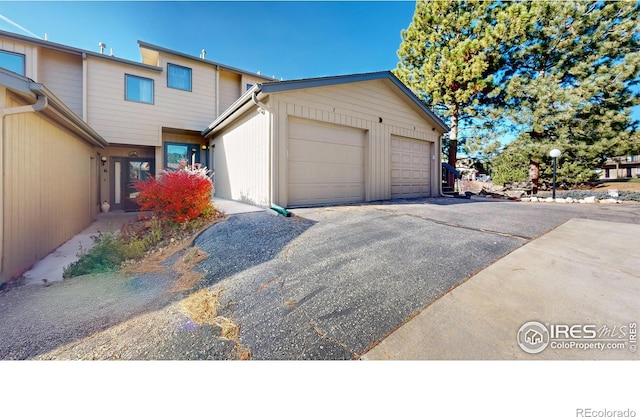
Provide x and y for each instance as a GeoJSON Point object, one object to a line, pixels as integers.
{"type": "Point", "coordinates": [178, 155]}
{"type": "Point", "coordinates": [12, 61]}
{"type": "Point", "coordinates": [632, 158]}
{"type": "Point", "coordinates": [249, 86]}
{"type": "Point", "coordinates": [178, 77]}
{"type": "Point", "coordinates": [138, 89]}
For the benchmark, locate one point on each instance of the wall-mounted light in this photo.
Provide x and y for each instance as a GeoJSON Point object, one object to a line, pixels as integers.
{"type": "Point", "coordinates": [203, 147]}
{"type": "Point", "coordinates": [104, 160]}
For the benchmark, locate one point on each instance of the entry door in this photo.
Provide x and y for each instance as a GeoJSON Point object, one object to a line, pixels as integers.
{"type": "Point", "coordinates": [135, 169]}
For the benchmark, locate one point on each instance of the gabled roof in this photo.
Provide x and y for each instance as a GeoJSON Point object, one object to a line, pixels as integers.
{"type": "Point", "coordinates": [279, 86]}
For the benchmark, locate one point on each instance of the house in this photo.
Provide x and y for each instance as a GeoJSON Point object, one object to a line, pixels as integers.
{"type": "Point", "coordinates": [107, 122]}
{"type": "Point", "coordinates": [341, 139]}
{"type": "Point", "coordinates": [621, 167]}
{"type": "Point", "coordinates": [80, 127]}
{"type": "Point", "coordinates": [150, 112]}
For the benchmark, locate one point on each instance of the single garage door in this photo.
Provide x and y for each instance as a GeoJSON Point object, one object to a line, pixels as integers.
{"type": "Point", "coordinates": [410, 168]}
{"type": "Point", "coordinates": [326, 164]}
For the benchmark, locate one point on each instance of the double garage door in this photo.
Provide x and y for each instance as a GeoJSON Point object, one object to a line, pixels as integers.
{"type": "Point", "coordinates": [326, 165]}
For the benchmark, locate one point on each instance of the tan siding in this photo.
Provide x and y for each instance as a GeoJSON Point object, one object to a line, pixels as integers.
{"type": "Point", "coordinates": [230, 89]}
{"type": "Point", "coordinates": [47, 189]}
{"type": "Point", "coordinates": [30, 53]}
{"type": "Point", "coordinates": [125, 122]}
{"type": "Point", "coordinates": [357, 105]}
{"type": "Point", "coordinates": [62, 74]}
{"type": "Point", "coordinates": [241, 160]}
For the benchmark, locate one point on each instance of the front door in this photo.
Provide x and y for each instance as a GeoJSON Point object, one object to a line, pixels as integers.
{"type": "Point", "coordinates": [135, 169]}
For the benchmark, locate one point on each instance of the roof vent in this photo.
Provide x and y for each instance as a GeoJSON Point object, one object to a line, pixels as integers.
{"type": "Point", "coordinates": [203, 53]}
{"type": "Point", "coordinates": [102, 46]}
{"type": "Point", "coordinates": [110, 51]}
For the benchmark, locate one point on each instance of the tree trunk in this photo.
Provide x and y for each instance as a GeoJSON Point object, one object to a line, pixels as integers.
{"type": "Point", "coordinates": [453, 142]}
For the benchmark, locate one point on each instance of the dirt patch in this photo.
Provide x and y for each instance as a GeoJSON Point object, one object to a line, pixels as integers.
{"type": "Point", "coordinates": [620, 186]}
{"type": "Point", "coordinates": [187, 278]}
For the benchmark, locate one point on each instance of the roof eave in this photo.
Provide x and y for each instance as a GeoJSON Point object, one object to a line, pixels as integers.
{"type": "Point", "coordinates": [55, 107]}
{"type": "Point", "coordinates": [231, 113]}
{"type": "Point", "coordinates": [147, 45]}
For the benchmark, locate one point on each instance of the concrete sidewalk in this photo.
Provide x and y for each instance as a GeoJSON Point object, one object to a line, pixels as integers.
{"type": "Point", "coordinates": [50, 268]}
{"type": "Point", "coordinates": [585, 272]}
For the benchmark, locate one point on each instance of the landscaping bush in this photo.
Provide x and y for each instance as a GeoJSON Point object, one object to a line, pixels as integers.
{"type": "Point", "coordinates": [178, 196]}
{"type": "Point", "coordinates": [107, 254]}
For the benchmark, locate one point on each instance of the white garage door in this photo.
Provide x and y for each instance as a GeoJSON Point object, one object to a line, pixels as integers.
{"type": "Point", "coordinates": [326, 164]}
{"type": "Point", "coordinates": [410, 168]}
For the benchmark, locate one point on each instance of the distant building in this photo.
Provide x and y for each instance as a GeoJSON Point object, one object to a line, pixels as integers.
{"type": "Point", "coordinates": [621, 167]}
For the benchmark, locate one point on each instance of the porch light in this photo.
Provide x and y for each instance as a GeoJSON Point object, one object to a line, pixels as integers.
{"type": "Point", "coordinates": [104, 160]}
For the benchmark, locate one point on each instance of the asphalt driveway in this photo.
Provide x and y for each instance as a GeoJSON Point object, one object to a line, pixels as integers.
{"type": "Point", "coordinates": [328, 283]}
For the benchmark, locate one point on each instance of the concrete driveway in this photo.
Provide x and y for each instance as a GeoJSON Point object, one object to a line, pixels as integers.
{"type": "Point", "coordinates": [331, 283]}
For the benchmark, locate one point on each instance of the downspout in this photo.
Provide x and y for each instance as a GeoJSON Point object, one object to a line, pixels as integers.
{"type": "Point", "coordinates": [260, 104]}
{"type": "Point", "coordinates": [217, 91]}
{"type": "Point", "coordinates": [85, 71]}
{"type": "Point", "coordinates": [38, 106]}
{"type": "Point", "coordinates": [263, 108]}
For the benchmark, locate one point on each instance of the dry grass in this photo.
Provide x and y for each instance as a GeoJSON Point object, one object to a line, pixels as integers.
{"type": "Point", "coordinates": [620, 186]}
{"type": "Point", "coordinates": [202, 306]}
{"type": "Point", "coordinates": [187, 278]}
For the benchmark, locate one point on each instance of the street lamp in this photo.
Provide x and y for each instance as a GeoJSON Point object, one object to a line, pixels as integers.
{"type": "Point", "coordinates": [555, 153]}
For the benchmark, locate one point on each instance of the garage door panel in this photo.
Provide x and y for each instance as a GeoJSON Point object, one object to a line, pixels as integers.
{"type": "Point", "coordinates": [326, 164]}
{"type": "Point", "coordinates": [410, 168]}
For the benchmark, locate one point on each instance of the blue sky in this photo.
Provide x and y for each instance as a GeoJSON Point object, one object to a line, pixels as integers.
{"type": "Point", "coordinates": [282, 39]}
{"type": "Point", "coordinates": [286, 39]}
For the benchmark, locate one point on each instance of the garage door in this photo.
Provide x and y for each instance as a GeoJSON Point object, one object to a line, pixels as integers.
{"type": "Point", "coordinates": [326, 164]}
{"type": "Point", "coordinates": [410, 167]}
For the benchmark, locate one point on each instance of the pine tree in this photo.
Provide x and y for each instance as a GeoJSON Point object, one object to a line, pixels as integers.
{"type": "Point", "coordinates": [568, 85]}
{"type": "Point", "coordinates": [449, 56]}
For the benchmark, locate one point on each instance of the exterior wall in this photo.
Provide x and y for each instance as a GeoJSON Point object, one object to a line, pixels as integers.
{"type": "Point", "coordinates": [241, 160]}
{"type": "Point", "coordinates": [373, 106]}
{"type": "Point", "coordinates": [30, 53]}
{"type": "Point", "coordinates": [62, 74]}
{"type": "Point", "coordinates": [230, 89]}
{"type": "Point", "coordinates": [619, 168]}
{"type": "Point", "coordinates": [48, 195]}
{"type": "Point", "coordinates": [141, 123]}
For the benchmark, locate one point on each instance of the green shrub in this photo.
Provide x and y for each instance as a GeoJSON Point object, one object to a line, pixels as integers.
{"type": "Point", "coordinates": [108, 252]}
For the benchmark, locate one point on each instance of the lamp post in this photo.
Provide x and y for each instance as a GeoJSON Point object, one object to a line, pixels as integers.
{"type": "Point", "coordinates": [555, 153]}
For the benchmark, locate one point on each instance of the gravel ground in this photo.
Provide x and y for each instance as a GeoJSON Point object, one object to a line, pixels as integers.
{"type": "Point", "coordinates": [326, 284]}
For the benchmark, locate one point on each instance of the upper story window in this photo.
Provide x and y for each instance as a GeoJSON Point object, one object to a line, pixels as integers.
{"type": "Point", "coordinates": [249, 86]}
{"type": "Point", "coordinates": [632, 158]}
{"type": "Point", "coordinates": [138, 89]}
{"type": "Point", "coordinates": [178, 77]}
{"type": "Point", "coordinates": [12, 61]}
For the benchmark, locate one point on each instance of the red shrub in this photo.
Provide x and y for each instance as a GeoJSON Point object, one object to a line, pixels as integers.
{"type": "Point", "coordinates": [178, 196]}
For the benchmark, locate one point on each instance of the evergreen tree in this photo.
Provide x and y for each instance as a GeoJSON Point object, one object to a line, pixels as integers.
{"type": "Point", "coordinates": [449, 56]}
{"type": "Point", "coordinates": [568, 85]}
